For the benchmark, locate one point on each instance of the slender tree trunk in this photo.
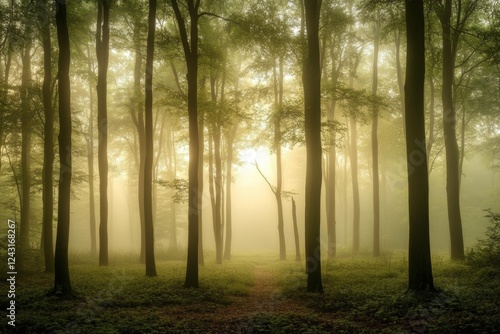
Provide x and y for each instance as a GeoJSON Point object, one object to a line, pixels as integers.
{"type": "Point", "coordinates": [399, 73]}
{"type": "Point", "coordinates": [229, 176]}
{"type": "Point", "coordinates": [102, 52]}
{"type": "Point", "coordinates": [62, 283]}
{"type": "Point", "coordinates": [295, 231]}
{"type": "Point", "coordinates": [26, 142]}
{"type": "Point", "coordinates": [330, 179]}
{"type": "Point", "coordinates": [419, 255]}
{"type": "Point", "coordinates": [312, 98]}
{"type": "Point", "coordinates": [90, 161]}
{"type": "Point", "coordinates": [191, 56]}
{"type": "Point", "coordinates": [218, 195]}
{"type": "Point", "coordinates": [148, 159]}
{"type": "Point", "coordinates": [355, 187]}
{"type": "Point", "coordinates": [139, 124]}
{"type": "Point", "coordinates": [48, 147]}
{"type": "Point", "coordinates": [211, 187]}
{"type": "Point", "coordinates": [432, 117]}
{"type": "Point", "coordinates": [201, 145]}
{"type": "Point", "coordinates": [375, 167]}
{"type": "Point", "coordinates": [277, 143]}
{"type": "Point", "coordinates": [462, 150]}
{"type": "Point", "coordinates": [450, 138]}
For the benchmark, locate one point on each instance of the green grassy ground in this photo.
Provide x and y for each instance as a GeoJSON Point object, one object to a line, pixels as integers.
{"type": "Point", "coordinates": [362, 295]}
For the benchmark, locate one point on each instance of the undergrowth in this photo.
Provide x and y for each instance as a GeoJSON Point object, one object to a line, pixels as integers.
{"type": "Point", "coordinates": [362, 295]}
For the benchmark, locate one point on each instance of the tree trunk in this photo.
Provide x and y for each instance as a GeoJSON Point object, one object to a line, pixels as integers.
{"type": "Point", "coordinates": [62, 282]}
{"type": "Point", "coordinates": [102, 53]}
{"type": "Point", "coordinates": [432, 117]}
{"type": "Point", "coordinates": [90, 161]}
{"type": "Point", "coordinates": [218, 197]}
{"type": "Point", "coordinates": [201, 145]}
{"type": "Point", "coordinates": [148, 159]}
{"type": "Point", "coordinates": [419, 255]}
{"type": "Point", "coordinates": [399, 73]}
{"type": "Point", "coordinates": [450, 138]}
{"type": "Point", "coordinates": [355, 187]}
{"type": "Point", "coordinates": [48, 147]}
{"type": "Point", "coordinates": [376, 180]}
{"type": "Point", "coordinates": [312, 100]}
{"type": "Point", "coordinates": [278, 86]}
{"type": "Point", "coordinates": [295, 231]}
{"type": "Point", "coordinates": [26, 142]}
{"type": "Point", "coordinates": [191, 56]}
{"type": "Point", "coordinates": [229, 176]}
{"type": "Point", "coordinates": [139, 124]}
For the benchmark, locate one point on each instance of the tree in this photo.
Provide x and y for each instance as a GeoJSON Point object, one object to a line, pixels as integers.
{"type": "Point", "coordinates": [190, 47]}
{"type": "Point", "coordinates": [419, 255]}
{"type": "Point", "coordinates": [62, 283]}
{"type": "Point", "coordinates": [375, 165]}
{"type": "Point", "coordinates": [148, 159]}
{"type": "Point", "coordinates": [48, 140]}
{"type": "Point", "coordinates": [311, 77]}
{"type": "Point", "coordinates": [90, 158]}
{"type": "Point", "coordinates": [451, 36]}
{"type": "Point", "coordinates": [26, 125]}
{"type": "Point", "coordinates": [102, 52]}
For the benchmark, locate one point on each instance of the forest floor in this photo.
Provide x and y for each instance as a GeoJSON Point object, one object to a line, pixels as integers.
{"type": "Point", "coordinates": [252, 294]}
{"type": "Point", "coordinates": [243, 314]}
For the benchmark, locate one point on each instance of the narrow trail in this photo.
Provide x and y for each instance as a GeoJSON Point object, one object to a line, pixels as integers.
{"type": "Point", "coordinates": [264, 297]}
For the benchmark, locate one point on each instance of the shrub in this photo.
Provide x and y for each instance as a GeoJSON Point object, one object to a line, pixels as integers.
{"type": "Point", "coordinates": [487, 251]}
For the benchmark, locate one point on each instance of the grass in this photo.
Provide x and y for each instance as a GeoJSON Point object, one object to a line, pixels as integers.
{"type": "Point", "coordinates": [369, 295]}
{"type": "Point", "coordinates": [362, 295]}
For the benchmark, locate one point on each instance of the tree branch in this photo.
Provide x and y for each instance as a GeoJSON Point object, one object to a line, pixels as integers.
{"type": "Point", "coordinates": [265, 178]}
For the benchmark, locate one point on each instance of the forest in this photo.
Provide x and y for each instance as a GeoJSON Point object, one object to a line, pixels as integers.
{"type": "Point", "coordinates": [250, 166]}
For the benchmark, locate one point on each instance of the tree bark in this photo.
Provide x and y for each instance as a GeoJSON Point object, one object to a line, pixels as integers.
{"type": "Point", "coordinates": [62, 283]}
{"type": "Point", "coordinates": [295, 231]}
{"type": "Point", "coordinates": [229, 176]}
{"type": "Point", "coordinates": [450, 138]}
{"type": "Point", "coordinates": [139, 124]}
{"type": "Point", "coordinates": [191, 56]}
{"type": "Point", "coordinates": [353, 156]}
{"type": "Point", "coordinates": [102, 53]}
{"type": "Point", "coordinates": [375, 167]}
{"type": "Point", "coordinates": [48, 147]}
{"type": "Point", "coordinates": [218, 194]}
{"type": "Point", "coordinates": [277, 144]}
{"type": "Point", "coordinates": [90, 161]}
{"type": "Point", "coordinates": [312, 99]}
{"type": "Point", "coordinates": [419, 255]}
{"type": "Point", "coordinates": [148, 159]}
{"type": "Point", "coordinates": [26, 137]}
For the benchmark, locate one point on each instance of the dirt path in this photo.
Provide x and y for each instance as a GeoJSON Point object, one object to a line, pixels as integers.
{"type": "Point", "coordinates": [264, 297]}
{"type": "Point", "coordinates": [242, 313]}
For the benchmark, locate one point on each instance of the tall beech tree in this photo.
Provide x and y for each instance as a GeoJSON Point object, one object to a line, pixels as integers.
{"type": "Point", "coordinates": [90, 156]}
{"type": "Point", "coordinates": [148, 158]}
{"type": "Point", "coordinates": [311, 77]}
{"type": "Point", "coordinates": [62, 283]}
{"type": "Point", "coordinates": [451, 34]}
{"type": "Point", "coordinates": [26, 126]}
{"type": "Point", "coordinates": [377, 27]}
{"type": "Point", "coordinates": [102, 53]}
{"type": "Point", "coordinates": [419, 253]}
{"type": "Point", "coordinates": [190, 47]}
{"type": "Point", "coordinates": [48, 139]}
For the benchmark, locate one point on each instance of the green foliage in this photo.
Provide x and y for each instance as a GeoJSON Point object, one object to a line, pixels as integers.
{"type": "Point", "coordinates": [487, 251]}
{"type": "Point", "coordinates": [368, 295]}
{"type": "Point", "coordinates": [362, 295]}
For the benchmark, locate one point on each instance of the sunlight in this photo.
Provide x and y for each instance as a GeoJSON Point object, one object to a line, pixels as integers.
{"type": "Point", "coordinates": [252, 155]}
